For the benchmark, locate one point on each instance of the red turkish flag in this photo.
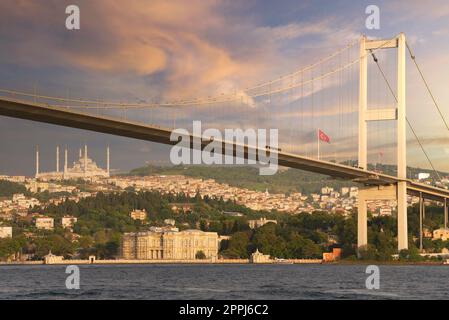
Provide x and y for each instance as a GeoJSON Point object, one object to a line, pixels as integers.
{"type": "Point", "coordinates": [323, 137]}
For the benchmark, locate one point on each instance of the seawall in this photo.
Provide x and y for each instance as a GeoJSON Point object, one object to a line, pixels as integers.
{"type": "Point", "coordinates": [130, 262]}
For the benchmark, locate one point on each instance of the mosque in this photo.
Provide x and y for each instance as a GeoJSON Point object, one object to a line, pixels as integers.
{"type": "Point", "coordinates": [84, 168]}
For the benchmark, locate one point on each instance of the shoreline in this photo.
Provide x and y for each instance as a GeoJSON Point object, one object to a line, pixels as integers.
{"type": "Point", "coordinates": [227, 262]}
{"type": "Point", "coordinates": [161, 262]}
{"type": "Point", "coordinates": [391, 263]}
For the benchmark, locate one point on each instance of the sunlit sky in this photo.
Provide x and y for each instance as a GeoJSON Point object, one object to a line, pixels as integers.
{"type": "Point", "coordinates": [160, 50]}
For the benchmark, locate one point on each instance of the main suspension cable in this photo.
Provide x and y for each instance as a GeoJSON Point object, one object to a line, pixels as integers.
{"type": "Point", "coordinates": [223, 98]}
{"type": "Point", "coordinates": [413, 57]}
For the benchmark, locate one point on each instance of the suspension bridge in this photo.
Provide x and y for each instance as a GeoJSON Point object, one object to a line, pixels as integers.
{"type": "Point", "coordinates": [318, 96]}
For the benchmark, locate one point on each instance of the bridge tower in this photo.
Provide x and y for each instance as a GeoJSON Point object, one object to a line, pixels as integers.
{"type": "Point", "coordinates": [398, 191]}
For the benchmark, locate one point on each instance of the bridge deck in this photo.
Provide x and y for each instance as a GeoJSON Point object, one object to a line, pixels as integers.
{"type": "Point", "coordinates": [68, 118]}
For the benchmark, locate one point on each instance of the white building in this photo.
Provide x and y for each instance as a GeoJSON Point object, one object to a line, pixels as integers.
{"type": "Point", "coordinates": [170, 222]}
{"type": "Point", "coordinates": [17, 197]}
{"type": "Point", "coordinates": [68, 221]}
{"type": "Point", "coordinates": [254, 224]}
{"type": "Point", "coordinates": [441, 233]}
{"type": "Point", "coordinates": [184, 245]}
{"type": "Point", "coordinates": [423, 176]}
{"type": "Point", "coordinates": [385, 211]}
{"type": "Point", "coordinates": [258, 257]}
{"type": "Point", "coordinates": [326, 190]}
{"type": "Point", "coordinates": [5, 232]}
{"type": "Point", "coordinates": [138, 215]}
{"type": "Point", "coordinates": [50, 258]}
{"type": "Point", "coordinates": [45, 223]}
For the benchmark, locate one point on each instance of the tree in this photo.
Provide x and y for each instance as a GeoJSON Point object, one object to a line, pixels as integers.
{"type": "Point", "coordinates": [385, 244]}
{"type": "Point", "coordinates": [346, 231]}
{"type": "Point", "coordinates": [368, 252]}
{"type": "Point", "coordinates": [54, 243]}
{"type": "Point", "coordinates": [238, 246]}
{"type": "Point", "coordinates": [410, 254]}
{"type": "Point", "coordinates": [300, 247]}
{"type": "Point", "coordinates": [9, 247]}
{"type": "Point", "coordinates": [7, 188]}
{"type": "Point", "coordinates": [200, 255]}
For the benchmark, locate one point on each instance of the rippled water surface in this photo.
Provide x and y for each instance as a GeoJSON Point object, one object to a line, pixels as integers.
{"type": "Point", "coordinates": [224, 282]}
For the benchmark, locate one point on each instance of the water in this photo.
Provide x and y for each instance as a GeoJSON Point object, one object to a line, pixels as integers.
{"type": "Point", "coordinates": [224, 282]}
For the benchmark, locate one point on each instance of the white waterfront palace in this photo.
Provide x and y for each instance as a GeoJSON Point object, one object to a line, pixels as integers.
{"type": "Point", "coordinates": [83, 168]}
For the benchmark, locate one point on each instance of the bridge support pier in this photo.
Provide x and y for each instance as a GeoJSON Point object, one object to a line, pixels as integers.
{"type": "Point", "coordinates": [445, 213]}
{"type": "Point", "coordinates": [362, 219]}
{"type": "Point", "coordinates": [422, 208]}
{"type": "Point", "coordinates": [392, 192]}
{"type": "Point", "coordinates": [398, 191]}
{"type": "Point", "coordinates": [402, 216]}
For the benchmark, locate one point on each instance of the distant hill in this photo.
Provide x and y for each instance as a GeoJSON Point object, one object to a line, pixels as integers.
{"type": "Point", "coordinates": [285, 181]}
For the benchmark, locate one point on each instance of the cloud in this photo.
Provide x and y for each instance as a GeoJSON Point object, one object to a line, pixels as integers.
{"type": "Point", "coordinates": [182, 49]}
{"type": "Point", "coordinates": [417, 9]}
{"type": "Point", "coordinates": [296, 30]}
{"type": "Point", "coordinates": [163, 50]}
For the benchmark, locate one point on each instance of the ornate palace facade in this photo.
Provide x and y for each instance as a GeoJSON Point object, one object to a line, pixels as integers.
{"type": "Point", "coordinates": [182, 245]}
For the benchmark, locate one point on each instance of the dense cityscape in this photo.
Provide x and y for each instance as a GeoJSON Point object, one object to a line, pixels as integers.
{"type": "Point", "coordinates": [55, 217]}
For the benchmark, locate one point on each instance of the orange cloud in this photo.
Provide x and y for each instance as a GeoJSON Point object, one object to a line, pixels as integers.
{"type": "Point", "coordinates": [141, 59]}
{"type": "Point", "coordinates": [190, 43]}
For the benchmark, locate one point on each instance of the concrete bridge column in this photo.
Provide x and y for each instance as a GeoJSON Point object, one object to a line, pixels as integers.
{"type": "Point", "coordinates": [445, 213]}
{"type": "Point", "coordinates": [421, 211]}
{"type": "Point", "coordinates": [401, 146]}
{"type": "Point", "coordinates": [368, 193]}
{"type": "Point", "coordinates": [362, 221]}
{"type": "Point", "coordinates": [402, 216]}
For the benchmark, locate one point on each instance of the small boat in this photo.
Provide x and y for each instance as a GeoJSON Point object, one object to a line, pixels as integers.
{"type": "Point", "coordinates": [282, 261]}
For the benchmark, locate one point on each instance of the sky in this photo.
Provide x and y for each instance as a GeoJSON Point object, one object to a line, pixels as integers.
{"type": "Point", "coordinates": [169, 50]}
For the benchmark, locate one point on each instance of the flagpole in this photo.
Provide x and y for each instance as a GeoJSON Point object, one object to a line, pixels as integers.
{"type": "Point", "coordinates": [318, 138]}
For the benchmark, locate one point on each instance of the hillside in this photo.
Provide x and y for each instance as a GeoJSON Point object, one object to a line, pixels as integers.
{"type": "Point", "coordinates": [248, 177]}
{"type": "Point", "coordinates": [285, 181]}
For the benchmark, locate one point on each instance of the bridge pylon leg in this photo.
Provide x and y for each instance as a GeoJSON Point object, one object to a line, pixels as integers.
{"type": "Point", "coordinates": [362, 221]}
{"type": "Point", "coordinates": [370, 193]}
{"type": "Point", "coordinates": [445, 213]}
{"type": "Point", "coordinates": [402, 216]}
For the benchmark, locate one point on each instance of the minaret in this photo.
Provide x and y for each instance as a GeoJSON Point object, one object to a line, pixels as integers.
{"type": "Point", "coordinates": [37, 161]}
{"type": "Point", "coordinates": [81, 153]}
{"type": "Point", "coordinates": [107, 160]}
{"type": "Point", "coordinates": [85, 160]}
{"type": "Point", "coordinates": [57, 159]}
{"type": "Point", "coordinates": [65, 161]}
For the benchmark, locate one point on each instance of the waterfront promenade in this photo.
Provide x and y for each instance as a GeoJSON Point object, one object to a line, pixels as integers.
{"type": "Point", "coordinates": [130, 262]}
